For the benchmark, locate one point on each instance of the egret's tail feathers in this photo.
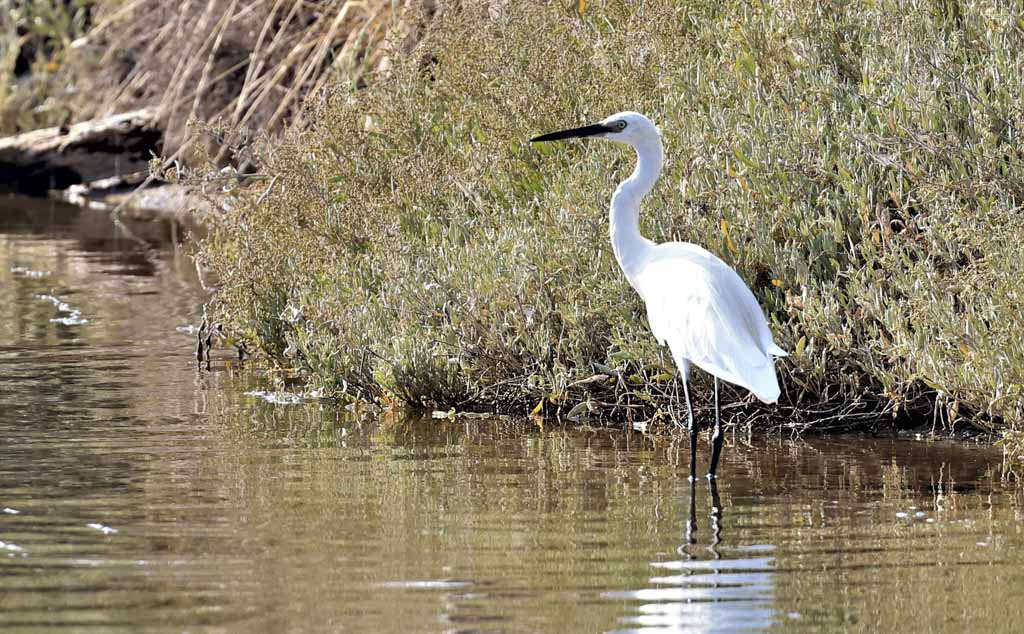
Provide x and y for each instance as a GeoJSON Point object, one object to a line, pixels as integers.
{"type": "Point", "coordinates": [776, 351]}
{"type": "Point", "coordinates": [768, 393]}
{"type": "Point", "coordinates": [763, 382]}
{"type": "Point", "coordinates": [758, 376]}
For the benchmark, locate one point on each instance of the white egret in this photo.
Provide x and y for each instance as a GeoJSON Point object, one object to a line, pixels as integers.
{"type": "Point", "coordinates": [696, 303]}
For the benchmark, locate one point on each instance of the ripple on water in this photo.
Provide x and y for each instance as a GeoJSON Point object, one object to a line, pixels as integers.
{"type": "Point", "coordinates": [277, 398]}
{"type": "Point", "coordinates": [72, 316]}
{"type": "Point", "coordinates": [707, 595]}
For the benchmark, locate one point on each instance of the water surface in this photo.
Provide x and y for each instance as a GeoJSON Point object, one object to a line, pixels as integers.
{"type": "Point", "coordinates": [139, 492]}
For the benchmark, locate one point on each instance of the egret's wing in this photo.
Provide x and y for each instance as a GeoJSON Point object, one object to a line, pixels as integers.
{"type": "Point", "coordinates": [704, 312]}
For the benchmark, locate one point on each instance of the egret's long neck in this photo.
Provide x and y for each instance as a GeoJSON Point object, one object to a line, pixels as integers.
{"type": "Point", "coordinates": [624, 220]}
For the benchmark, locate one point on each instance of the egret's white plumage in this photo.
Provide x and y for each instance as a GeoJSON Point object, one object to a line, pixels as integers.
{"type": "Point", "coordinates": [696, 303]}
{"type": "Point", "coordinates": [707, 316]}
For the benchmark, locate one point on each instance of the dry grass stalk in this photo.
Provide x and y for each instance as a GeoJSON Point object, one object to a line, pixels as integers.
{"type": "Point", "coordinates": [250, 61]}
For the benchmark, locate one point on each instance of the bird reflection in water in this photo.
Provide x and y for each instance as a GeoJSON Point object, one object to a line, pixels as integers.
{"type": "Point", "coordinates": [703, 590]}
{"type": "Point", "coordinates": [716, 521]}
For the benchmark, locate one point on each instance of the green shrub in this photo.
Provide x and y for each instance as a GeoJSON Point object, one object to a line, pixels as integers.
{"type": "Point", "coordinates": [859, 163]}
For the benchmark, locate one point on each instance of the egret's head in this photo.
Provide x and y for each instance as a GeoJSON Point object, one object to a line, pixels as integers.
{"type": "Point", "coordinates": [631, 128]}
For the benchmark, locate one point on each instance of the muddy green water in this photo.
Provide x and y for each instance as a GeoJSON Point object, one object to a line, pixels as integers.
{"type": "Point", "coordinates": [139, 493]}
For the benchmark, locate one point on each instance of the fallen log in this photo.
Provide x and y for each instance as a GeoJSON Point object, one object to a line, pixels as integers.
{"type": "Point", "coordinates": [56, 158]}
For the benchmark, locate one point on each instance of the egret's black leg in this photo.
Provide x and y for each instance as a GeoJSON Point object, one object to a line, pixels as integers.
{"type": "Point", "coordinates": [717, 438]}
{"type": "Point", "coordinates": [692, 431]}
{"type": "Point", "coordinates": [716, 517]}
{"type": "Point", "coordinates": [691, 525]}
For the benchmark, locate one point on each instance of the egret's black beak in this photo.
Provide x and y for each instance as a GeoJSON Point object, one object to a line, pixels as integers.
{"type": "Point", "coordinates": [587, 130]}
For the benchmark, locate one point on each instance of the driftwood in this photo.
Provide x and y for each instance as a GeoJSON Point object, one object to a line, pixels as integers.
{"type": "Point", "coordinates": [56, 158]}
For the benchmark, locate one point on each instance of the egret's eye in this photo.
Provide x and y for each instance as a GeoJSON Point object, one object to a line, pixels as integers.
{"type": "Point", "coordinates": [620, 125]}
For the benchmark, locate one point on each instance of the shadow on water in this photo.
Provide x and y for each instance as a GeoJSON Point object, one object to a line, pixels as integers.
{"type": "Point", "coordinates": [140, 493]}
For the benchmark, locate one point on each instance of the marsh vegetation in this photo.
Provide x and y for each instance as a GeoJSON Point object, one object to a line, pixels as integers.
{"type": "Point", "coordinates": [858, 163]}
{"type": "Point", "coordinates": [860, 166]}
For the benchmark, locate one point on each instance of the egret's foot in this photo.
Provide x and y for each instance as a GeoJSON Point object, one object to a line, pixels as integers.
{"type": "Point", "coordinates": [711, 476]}
{"type": "Point", "coordinates": [692, 478]}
